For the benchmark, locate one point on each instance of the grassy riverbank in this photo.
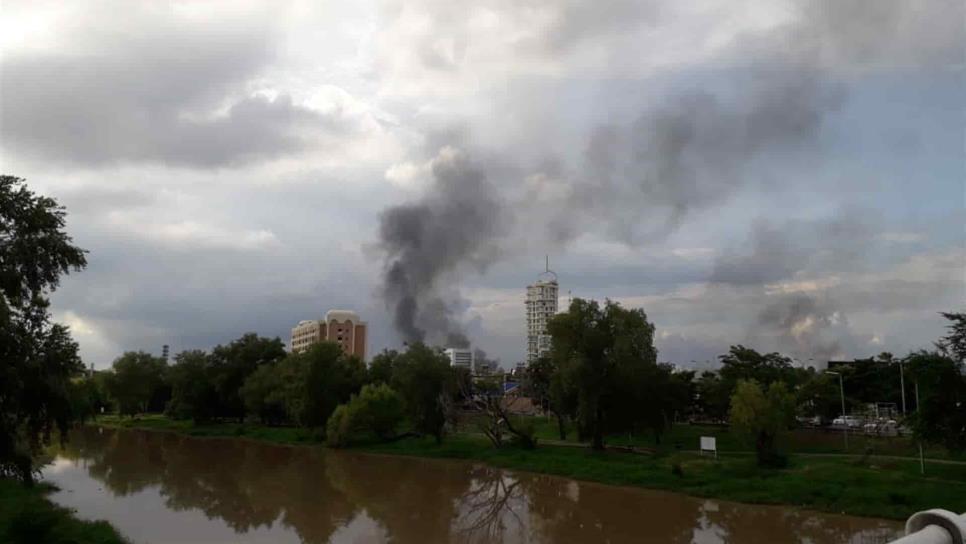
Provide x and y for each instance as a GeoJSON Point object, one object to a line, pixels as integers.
{"type": "Point", "coordinates": [877, 486]}
{"type": "Point", "coordinates": [27, 516]}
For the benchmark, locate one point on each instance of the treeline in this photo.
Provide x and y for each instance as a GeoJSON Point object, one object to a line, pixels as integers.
{"type": "Point", "coordinates": [254, 377]}
{"type": "Point", "coordinates": [601, 378]}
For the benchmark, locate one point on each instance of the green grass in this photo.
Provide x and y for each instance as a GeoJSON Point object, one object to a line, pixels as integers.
{"type": "Point", "coordinates": [876, 485]}
{"type": "Point", "coordinates": [806, 441]}
{"type": "Point", "coordinates": [157, 422]}
{"type": "Point", "coordinates": [28, 517]}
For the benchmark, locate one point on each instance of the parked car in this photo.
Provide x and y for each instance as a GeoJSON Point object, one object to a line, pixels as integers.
{"type": "Point", "coordinates": [882, 427]}
{"type": "Point", "coordinates": [851, 422]}
{"type": "Point", "coordinates": [813, 421]}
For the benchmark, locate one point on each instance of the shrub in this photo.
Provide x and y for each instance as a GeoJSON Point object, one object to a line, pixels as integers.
{"type": "Point", "coordinates": [339, 427]}
{"type": "Point", "coordinates": [524, 433]}
{"type": "Point", "coordinates": [380, 409]}
{"type": "Point", "coordinates": [763, 416]}
{"type": "Point", "coordinates": [377, 408]}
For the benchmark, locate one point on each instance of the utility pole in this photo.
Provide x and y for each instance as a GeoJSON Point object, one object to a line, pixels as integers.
{"type": "Point", "coordinates": [922, 461]}
{"type": "Point", "coordinates": [902, 385]}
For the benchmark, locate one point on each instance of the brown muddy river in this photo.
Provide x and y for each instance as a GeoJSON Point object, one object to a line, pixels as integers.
{"type": "Point", "coordinates": [165, 488]}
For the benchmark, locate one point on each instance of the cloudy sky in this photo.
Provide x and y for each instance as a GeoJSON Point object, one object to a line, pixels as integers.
{"type": "Point", "coordinates": [787, 175]}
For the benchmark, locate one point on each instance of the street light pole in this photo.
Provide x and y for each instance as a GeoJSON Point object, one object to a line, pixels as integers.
{"type": "Point", "coordinates": [845, 422]}
{"type": "Point", "coordinates": [922, 461]}
{"type": "Point", "coordinates": [902, 384]}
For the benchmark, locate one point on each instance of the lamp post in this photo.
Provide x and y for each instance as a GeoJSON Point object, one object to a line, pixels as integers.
{"type": "Point", "coordinates": [902, 385]}
{"type": "Point", "coordinates": [842, 392]}
{"type": "Point", "coordinates": [922, 461]}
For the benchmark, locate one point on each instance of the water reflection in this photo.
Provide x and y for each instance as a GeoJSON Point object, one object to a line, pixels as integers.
{"type": "Point", "coordinates": [155, 485]}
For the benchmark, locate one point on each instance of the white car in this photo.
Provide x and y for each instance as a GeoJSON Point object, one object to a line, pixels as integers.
{"type": "Point", "coordinates": [852, 422]}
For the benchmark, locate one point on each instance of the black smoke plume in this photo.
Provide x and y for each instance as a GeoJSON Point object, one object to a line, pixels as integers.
{"type": "Point", "coordinates": [453, 227]}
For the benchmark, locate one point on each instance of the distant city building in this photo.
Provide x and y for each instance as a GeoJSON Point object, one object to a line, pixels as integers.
{"type": "Point", "coordinates": [340, 326]}
{"type": "Point", "coordinates": [460, 357]}
{"type": "Point", "coordinates": [541, 306]}
{"type": "Point", "coordinates": [164, 352]}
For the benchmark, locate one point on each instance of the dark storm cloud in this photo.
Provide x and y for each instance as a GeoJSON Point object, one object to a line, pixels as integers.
{"type": "Point", "coordinates": [575, 21]}
{"type": "Point", "coordinates": [697, 147]}
{"type": "Point", "coordinates": [454, 226]}
{"type": "Point", "coordinates": [801, 324]}
{"type": "Point", "coordinates": [694, 150]}
{"type": "Point", "coordinates": [168, 93]}
{"type": "Point", "coordinates": [775, 253]}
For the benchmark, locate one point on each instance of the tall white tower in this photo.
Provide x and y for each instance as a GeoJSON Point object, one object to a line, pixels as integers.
{"type": "Point", "coordinates": [541, 306]}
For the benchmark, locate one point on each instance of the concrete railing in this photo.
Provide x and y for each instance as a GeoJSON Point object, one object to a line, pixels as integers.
{"type": "Point", "coordinates": [935, 527]}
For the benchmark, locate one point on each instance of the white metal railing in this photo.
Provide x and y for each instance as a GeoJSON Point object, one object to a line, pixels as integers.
{"type": "Point", "coordinates": [935, 527]}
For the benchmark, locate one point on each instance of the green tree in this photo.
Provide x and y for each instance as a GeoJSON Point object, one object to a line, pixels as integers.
{"type": "Point", "coordinates": [193, 394]}
{"type": "Point", "coordinates": [232, 364]}
{"type": "Point", "coordinates": [87, 396]}
{"type": "Point", "coordinates": [563, 401]}
{"type": "Point", "coordinates": [39, 359]}
{"type": "Point", "coordinates": [741, 363]}
{"type": "Point", "coordinates": [377, 408]}
{"type": "Point", "coordinates": [537, 380]}
{"type": "Point", "coordinates": [763, 417]}
{"type": "Point", "coordinates": [940, 417]}
{"type": "Point", "coordinates": [330, 378]}
{"type": "Point", "coordinates": [340, 426]}
{"type": "Point", "coordinates": [819, 396]}
{"type": "Point", "coordinates": [606, 354]}
{"type": "Point", "coordinates": [545, 386]}
{"type": "Point", "coordinates": [381, 409]}
{"type": "Point", "coordinates": [713, 396]}
{"type": "Point", "coordinates": [954, 344]}
{"type": "Point", "coordinates": [267, 391]}
{"type": "Point", "coordinates": [138, 382]}
{"type": "Point", "coordinates": [423, 377]}
{"type": "Point", "coordinates": [381, 366]}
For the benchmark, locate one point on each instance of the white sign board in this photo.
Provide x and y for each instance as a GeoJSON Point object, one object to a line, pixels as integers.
{"type": "Point", "coordinates": [708, 443]}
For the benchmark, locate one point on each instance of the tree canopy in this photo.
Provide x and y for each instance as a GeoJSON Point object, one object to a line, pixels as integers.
{"type": "Point", "coordinates": [954, 343]}
{"type": "Point", "coordinates": [232, 364]}
{"type": "Point", "coordinates": [39, 358]}
{"type": "Point", "coordinates": [763, 416]}
{"type": "Point", "coordinates": [606, 355]}
{"type": "Point", "coordinates": [424, 378]}
{"type": "Point", "coordinates": [139, 383]}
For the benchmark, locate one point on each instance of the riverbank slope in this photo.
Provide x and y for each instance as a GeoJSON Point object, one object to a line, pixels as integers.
{"type": "Point", "coordinates": [28, 516]}
{"type": "Point", "coordinates": [885, 487]}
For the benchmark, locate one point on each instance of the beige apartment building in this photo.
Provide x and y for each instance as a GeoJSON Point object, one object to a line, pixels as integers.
{"type": "Point", "coordinates": [340, 326]}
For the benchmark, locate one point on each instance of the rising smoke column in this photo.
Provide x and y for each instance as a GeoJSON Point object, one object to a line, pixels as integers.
{"type": "Point", "coordinates": [454, 226]}
{"type": "Point", "coordinates": [638, 180]}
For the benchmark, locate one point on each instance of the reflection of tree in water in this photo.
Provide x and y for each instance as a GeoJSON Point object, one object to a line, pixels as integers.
{"type": "Point", "coordinates": [215, 476]}
{"type": "Point", "coordinates": [744, 523]}
{"type": "Point", "coordinates": [248, 485]}
{"type": "Point", "coordinates": [125, 464]}
{"type": "Point", "coordinates": [251, 485]}
{"type": "Point", "coordinates": [566, 511]}
{"type": "Point", "coordinates": [412, 499]}
{"type": "Point", "coordinates": [492, 506]}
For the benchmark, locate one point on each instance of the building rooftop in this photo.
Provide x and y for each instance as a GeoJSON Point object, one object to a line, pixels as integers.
{"type": "Point", "coordinates": [342, 315]}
